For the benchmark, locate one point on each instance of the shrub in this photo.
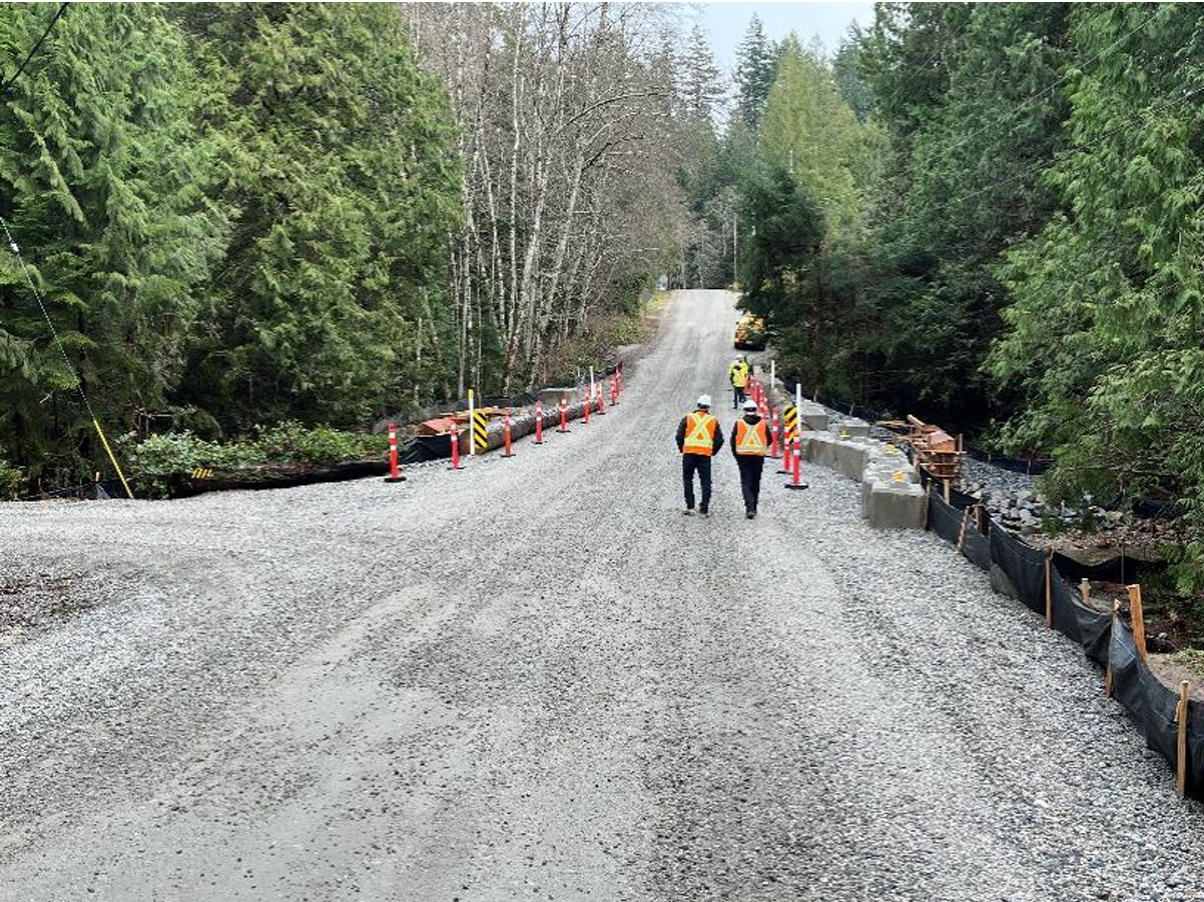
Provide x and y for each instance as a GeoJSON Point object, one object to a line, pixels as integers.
{"type": "Point", "coordinates": [11, 479]}
{"type": "Point", "coordinates": [290, 441]}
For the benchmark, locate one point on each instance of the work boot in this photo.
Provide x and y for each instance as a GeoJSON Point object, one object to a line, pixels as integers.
{"type": "Point", "coordinates": [750, 513]}
{"type": "Point", "coordinates": [689, 512]}
{"type": "Point", "coordinates": [704, 512]}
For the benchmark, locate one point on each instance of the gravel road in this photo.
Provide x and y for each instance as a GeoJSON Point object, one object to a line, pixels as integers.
{"type": "Point", "coordinates": [534, 679]}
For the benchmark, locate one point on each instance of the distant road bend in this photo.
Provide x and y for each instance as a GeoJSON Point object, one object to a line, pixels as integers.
{"type": "Point", "coordinates": [535, 679]}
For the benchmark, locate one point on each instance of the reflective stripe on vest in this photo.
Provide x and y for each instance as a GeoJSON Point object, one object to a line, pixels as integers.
{"type": "Point", "coordinates": [700, 434]}
{"type": "Point", "coordinates": [750, 439]}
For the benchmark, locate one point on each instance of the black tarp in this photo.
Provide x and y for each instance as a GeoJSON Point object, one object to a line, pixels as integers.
{"type": "Point", "coordinates": [977, 548]}
{"type": "Point", "coordinates": [943, 519]}
{"type": "Point", "coordinates": [1152, 705]}
{"type": "Point", "coordinates": [1120, 569]}
{"type": "Point", "coordinates": [1023, 565]}
{"type": "Point", "coordinates": [1033, 465]}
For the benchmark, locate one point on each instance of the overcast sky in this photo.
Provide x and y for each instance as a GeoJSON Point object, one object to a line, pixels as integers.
{"type": "Point", "coordinates": [727, 22]}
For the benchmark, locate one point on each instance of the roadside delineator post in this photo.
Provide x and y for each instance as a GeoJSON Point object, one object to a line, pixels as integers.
{"type": "Point", "coordinates": [601, 400]}
{"type": "Point", "coordinates": [587, 407]}
{"type": "Point", "coordinates": [394, 471]}
{"type": "Point", "coordinates": [539, 422]}
{"type": "Point", "coordinates": [796, 481]}
{"type": "Point", "coordinates": [564, 413]}
{"type": "Point", "coordinates": [619, 378]}
{"type": "Point", "coordinates": [773, 436]}
{"type": "Point", "coordinates": [455, 447]}
{"type": "Point", "coordinates": [507, 452]}
{"type": "Point", "coordinates": [614, 388]}
{"type": "Point", "coordinates": [787, 456]}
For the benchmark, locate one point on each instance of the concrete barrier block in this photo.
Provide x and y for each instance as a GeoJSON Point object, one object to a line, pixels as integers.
{"type": "Point", "coordinates": [852, 429]}
{"type": "Point", "coordinates": [814, 416]}
{"type": "Point", "coordinates": [850, 458]}
{"type": "Point", "coordinates": [895, 506]}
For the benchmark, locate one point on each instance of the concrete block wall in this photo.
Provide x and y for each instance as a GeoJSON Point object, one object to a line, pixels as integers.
{"type": "Point", "coordinates": [891, 496]}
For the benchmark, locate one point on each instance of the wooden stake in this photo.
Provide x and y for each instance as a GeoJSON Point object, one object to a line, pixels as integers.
{"type": "Point", "coordinates": [1138, 621]}
{"type": "Point", "coordinates": [947, 481]}
{"type": "Point", "coordinates": [1181, 712]}
{"type": "Point", "coordinates": [927, 502]}
{"type": "Point", "coordinates": [1085, 589]}
{"type": "Point", "coordinates": [1108, 675]}
{"type": "Point", "coordinates": [961, 536]}
{"type": "Point", "coordinates": [1049, 587]}
{"type": "Point", "coordinates": [978, 517]}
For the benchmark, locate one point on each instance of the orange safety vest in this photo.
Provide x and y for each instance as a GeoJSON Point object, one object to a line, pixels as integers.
{"type": "Point", "coordinates": [751, 440]}
{"type": "Point", "coordinates": [700, 433]}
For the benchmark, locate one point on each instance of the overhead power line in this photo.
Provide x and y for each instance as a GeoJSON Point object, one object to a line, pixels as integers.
{"type": "Point", "coordinates": [58, 15]}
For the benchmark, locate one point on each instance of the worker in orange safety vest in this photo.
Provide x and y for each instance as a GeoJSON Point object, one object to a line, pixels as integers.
{"type": "Point", "coordinates": [750, 438]}
{"type": "Point", "coordinates": [699, 438]}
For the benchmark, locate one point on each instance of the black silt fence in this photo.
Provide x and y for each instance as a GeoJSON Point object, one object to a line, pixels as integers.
{"type": "Point", "coordinates": [1151, 704]}
{"type": "Point", "coordinates": [946, 521]}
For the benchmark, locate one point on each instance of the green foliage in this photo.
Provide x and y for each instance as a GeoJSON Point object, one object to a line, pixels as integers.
{"type": "Point", "coordinates": [160, 459]}
{"type": "Point", "coordinates": [809, 130]}
{"type": "Point", "coordinates": [339, 164]}
{"type": "Point", "coordinates": [102, 180]}
{"type": "Point", "coordinates": [290, 441]}
{"type": "Point", "coordinates": [756, 67]}
{"type": "Point", "coordinates": [1104, 336]}
{"type": "Point", "coordinates": [11, 480]}
{"type": "Point", "coordinates": [236, 210]}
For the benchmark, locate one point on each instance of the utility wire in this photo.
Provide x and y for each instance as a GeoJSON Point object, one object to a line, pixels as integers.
{"type": "Point", "coordinates": [58, 15]}
{"type": "Point", "coordinates": [79, 384]}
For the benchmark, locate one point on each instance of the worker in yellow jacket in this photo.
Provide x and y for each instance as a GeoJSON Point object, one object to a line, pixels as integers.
{"type": "Point", "coordinates": [699, 438]}
{"type": "Point", "coordinates": [738, 373]}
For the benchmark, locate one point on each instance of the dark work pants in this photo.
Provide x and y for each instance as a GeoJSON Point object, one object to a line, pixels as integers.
{"type": "Point", "coordinates": [701, 463]}
{"type": "Point", "coordinates": [737, 396]}
{"type": "Point", "coordinates": [750, 479]}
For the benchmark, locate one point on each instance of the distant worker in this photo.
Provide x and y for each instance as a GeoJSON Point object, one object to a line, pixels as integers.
{"type": "Point", "coordinates": [750, 436]}
{"type": "Point", "coordinates": [698, 439]}
{"type": "Point", "coordinates": [738, 373]}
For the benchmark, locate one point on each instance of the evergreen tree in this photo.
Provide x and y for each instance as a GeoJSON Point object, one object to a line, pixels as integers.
{"type": "Point", "coordinates": [339, 162]}
{"type": "Point", "coordinates": [102, 181]}
{"type": "Point", "coordinates": [756, 66]}
{"type": "Point", "coordinates": [701, 83]}
{"type": "Point", "coordinates": [810, 131]}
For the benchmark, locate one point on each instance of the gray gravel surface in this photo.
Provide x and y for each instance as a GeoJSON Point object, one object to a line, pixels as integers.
{"type": "Point", "coordinates": [535, 679]}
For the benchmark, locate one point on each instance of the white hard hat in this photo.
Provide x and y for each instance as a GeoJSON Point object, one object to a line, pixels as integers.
{"type": "Point", "coordinates": [704, 400]}
{"type": "Point", "coordinates": [750, 404]}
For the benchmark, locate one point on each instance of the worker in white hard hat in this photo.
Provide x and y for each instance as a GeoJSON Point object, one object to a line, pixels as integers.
{"type": "Point", "coordinates": [750, 438]}
{"type": "Point", "coordinates": [699, 438]}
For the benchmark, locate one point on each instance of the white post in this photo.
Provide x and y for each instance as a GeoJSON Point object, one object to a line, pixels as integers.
{"type": "Point", "coordinates": [472, 426]}
{"type": "Point", "coordinates": [798, 401]}
{"type": "Point", "coordinates": [773, 373]}
{"type": "Point", "coordinates": [591, 382]}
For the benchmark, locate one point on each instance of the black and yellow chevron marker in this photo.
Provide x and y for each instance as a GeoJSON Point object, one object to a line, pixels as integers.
{"type": "Point", "coordinates": [480, 431]}
{"type": "Point", "coordinates": [202, 473]}
{"type": "Point", "coordinates": [790, 419]}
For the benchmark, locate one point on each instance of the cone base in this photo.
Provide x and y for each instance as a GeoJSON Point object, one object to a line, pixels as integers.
{"type": "Point", "coordinates": [801, 485]}
{"type": "Point", "coordinates": [395, 479]}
